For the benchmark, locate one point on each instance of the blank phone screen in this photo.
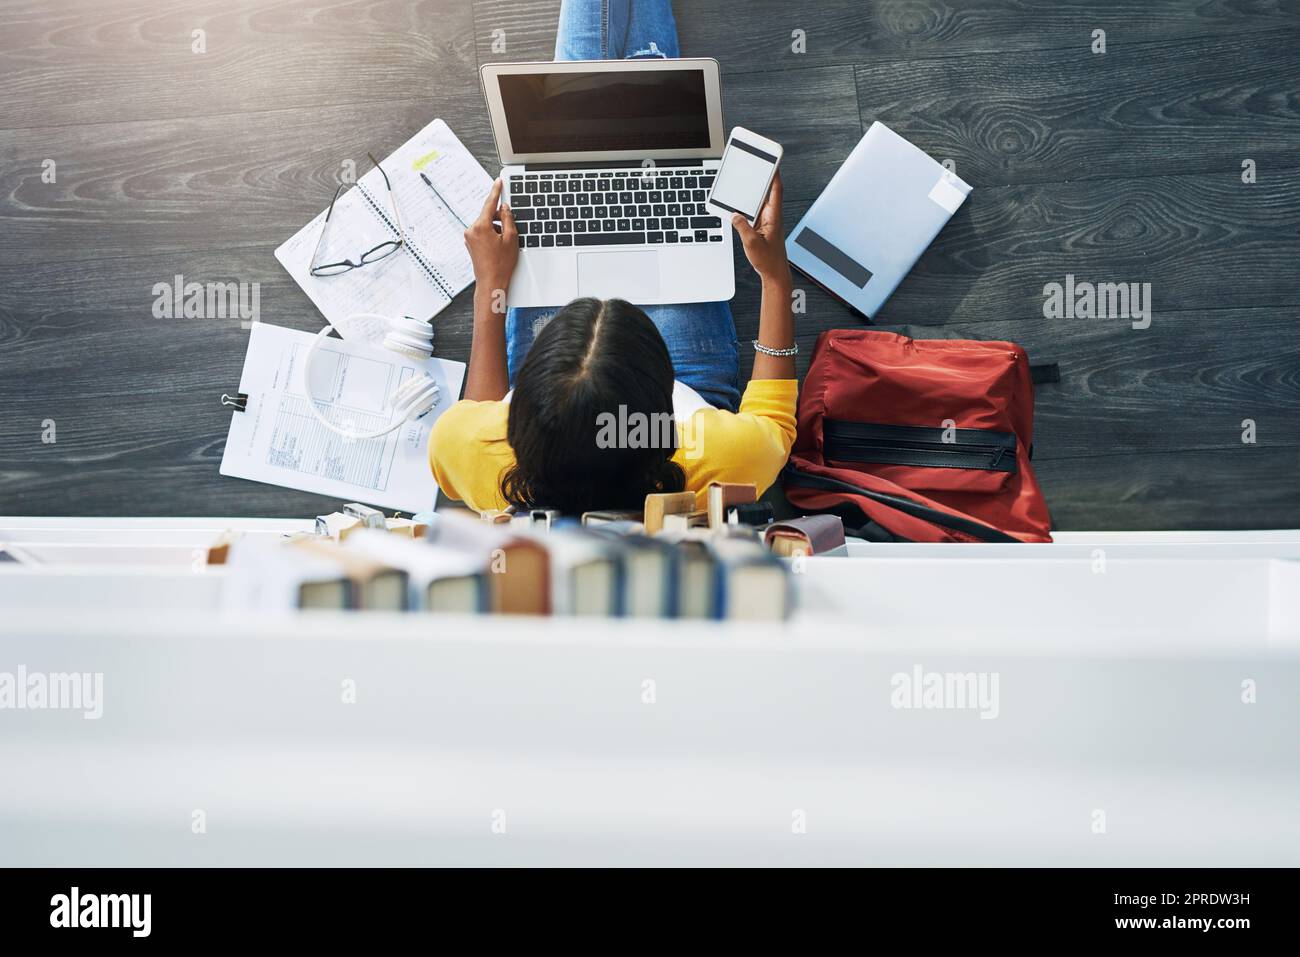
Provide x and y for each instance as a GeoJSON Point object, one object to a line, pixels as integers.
{"type": "Point", "coordinates": [741, 181]}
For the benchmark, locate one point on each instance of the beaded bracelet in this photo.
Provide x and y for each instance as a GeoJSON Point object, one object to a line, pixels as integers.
{"type": "Point", "coordinates": [779, 353]}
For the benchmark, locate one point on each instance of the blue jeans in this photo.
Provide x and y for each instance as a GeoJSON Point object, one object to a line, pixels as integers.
{"type": "Point", "coordinates": [701, 337]}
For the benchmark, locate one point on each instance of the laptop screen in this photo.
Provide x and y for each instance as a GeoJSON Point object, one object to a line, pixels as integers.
{"type": "Point", "coordinates": [631, 112]}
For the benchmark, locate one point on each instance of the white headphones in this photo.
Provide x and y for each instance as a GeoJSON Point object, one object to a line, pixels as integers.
{"type": "Point", "coordinates": [414, 399]}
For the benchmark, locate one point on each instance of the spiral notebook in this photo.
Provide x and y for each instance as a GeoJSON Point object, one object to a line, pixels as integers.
{"type": "Point", "coordinates": [432, 267]}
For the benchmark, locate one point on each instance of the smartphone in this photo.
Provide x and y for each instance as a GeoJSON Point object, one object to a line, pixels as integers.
{"type": "Point", "coordinates": [748, 165]}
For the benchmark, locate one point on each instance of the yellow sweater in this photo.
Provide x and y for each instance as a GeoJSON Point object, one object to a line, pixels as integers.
{"type": "Point", "coordinates": [468, 451]}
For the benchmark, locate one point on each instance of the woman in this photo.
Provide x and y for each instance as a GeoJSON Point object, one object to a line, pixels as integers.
{"type": "Point", "coordinates": [611, 402]}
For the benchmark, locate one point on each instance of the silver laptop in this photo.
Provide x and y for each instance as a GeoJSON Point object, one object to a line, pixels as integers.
{"type": "Point", "coordinates": [607, 165]}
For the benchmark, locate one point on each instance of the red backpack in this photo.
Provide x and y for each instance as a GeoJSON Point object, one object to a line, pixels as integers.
{"type": "Point", "coordinates": [922, 440]}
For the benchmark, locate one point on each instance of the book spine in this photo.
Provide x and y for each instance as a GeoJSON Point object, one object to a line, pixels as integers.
{"type": "Point", "coordinates": [430, 270]}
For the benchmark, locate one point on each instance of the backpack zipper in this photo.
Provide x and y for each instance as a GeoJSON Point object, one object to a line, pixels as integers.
{"type": "Point", "coordinates": [794, 476]}
{"type": "Point", "coordinates": [916, 446]}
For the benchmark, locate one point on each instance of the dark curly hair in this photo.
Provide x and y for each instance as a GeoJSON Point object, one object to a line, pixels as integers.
{"type": "Point", "coordinates": [591, 359]}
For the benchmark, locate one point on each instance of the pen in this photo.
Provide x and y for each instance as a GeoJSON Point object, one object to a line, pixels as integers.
{"type": "Point", "coordinates": [443, 201]}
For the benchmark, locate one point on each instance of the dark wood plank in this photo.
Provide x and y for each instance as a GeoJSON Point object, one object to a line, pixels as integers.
{"type": "Point", "coordinates": [285, 175]}
{"type": "Point", "coordinates": [87, 61]}
{"type": "Point", "coordinates": [171, 186]}
{"type": "Point", "coordinates": [906, 30]}
{"type": "Point", "coordinates": [88, 327]}
{"type": "Point", "coordinates": [1249, 487]}
{"type": "Point", "coordinates": [527, 30]}
{"type": "Point", "coordinates": [253, 177]}
{"type": "Point", "coordinates": [810, 115]}
{"type": "Point", "coordinates": [1200, 240]}
{"type": "Point", "coordinates": [133, 394]}
{"type": "Point", "coordinates": [171, 488]}
{"type": "Point", "coordinates": [48, 310]}
{"type": "Point", "coordinates": [250, 178]}
{"type": "Point", "coordinates": [758, 37]}
{"type": "Point", "coordinates": [1048, 117]}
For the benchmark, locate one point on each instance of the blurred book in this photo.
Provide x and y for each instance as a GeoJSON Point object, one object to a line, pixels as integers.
{"type": "Point", "coordinates": [808, 535]}
{"type": "Point", "coordinates": [17, 554]}
{"type": "Point", "coordinates": [723, 495]}
{"type": "Point", "coordinates": [405, 527]}
{"type": "Point", "coordinates": [586, 573]}
{"type": "Point", "coordinates": [274, 577]}
{"type": "Point", "coordinates": [699, 589]}
{"type": "Point", "coordinates": [621, 518]}
{"type": "Point", "coordinates": [468, 565]}
{"type": "Point", "coordinates": [439, 579]}
{"type": "Point", "coordinates": [650, 574]}
{"type": "Point", "coordinates": [218, 551]}
{"type": "Point", "coordinates": [659, 505]}
{"type": "Point", "coordinates": [518, 566]}
{"type": "Point", "coordinates": [729, 573]}
{"type": "Point", "coordinates": [375, 585]}
{"type": "Point", "coordinates": [339, 525]}
{"type": "Point", "coordinates": [755, 584]}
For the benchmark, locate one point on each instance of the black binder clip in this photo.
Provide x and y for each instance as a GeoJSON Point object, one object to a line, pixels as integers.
{"type": "Point", "coordinates": [238, 402]}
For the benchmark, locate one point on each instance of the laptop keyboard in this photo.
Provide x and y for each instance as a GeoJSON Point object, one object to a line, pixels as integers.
{"type": "Point", "coordinates": [614, 207]}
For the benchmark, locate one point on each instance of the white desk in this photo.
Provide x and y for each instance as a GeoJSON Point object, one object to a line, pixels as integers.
{"type": "Point", "coordinates": [1119, 691]}
{"type": "Point", "coordinates": [548, 722]}
{"type": "Point", "coordinates": [1177, 584]}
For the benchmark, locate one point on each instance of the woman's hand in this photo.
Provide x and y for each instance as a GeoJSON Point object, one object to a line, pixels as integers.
{"type": "Point", "coordinates": [493, 249]}
{"type": "Point", "coordinates": [764, 243]}
{"type": "Point", "coordinates": [765, 247]}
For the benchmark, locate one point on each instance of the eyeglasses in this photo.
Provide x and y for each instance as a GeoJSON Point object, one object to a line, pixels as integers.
{"type": "Point", "coordinates": [372, 255]}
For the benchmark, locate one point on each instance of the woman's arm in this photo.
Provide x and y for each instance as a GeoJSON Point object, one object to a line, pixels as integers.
{"type": "Point", "coordinates": [765, 247]}
{"type": "Point", "coordinates": [494, 251]}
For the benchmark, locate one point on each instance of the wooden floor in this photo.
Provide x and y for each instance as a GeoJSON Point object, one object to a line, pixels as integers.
{"type": "Point", "coordinates": [1122, 166]}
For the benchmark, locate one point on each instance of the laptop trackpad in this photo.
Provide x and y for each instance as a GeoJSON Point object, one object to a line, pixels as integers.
{"type": "Point", "coordinates": [631, 274]}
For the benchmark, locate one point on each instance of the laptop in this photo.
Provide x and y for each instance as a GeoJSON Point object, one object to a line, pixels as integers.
{"type": "Point", "coordinates": [607, 165]}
